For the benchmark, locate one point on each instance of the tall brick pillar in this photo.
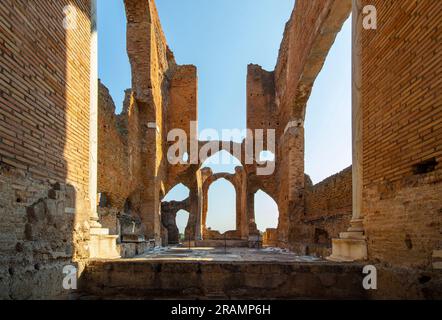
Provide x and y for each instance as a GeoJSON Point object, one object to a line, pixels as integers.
{"type": "Point", "coordinates": [351, 245]}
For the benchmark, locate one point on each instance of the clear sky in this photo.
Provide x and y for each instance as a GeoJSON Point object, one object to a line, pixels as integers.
{"type": "Point", "coordinates": [221, 37]}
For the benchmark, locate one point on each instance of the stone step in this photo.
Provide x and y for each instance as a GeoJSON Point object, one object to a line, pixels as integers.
{"type": "Point", "coordinates": [142, 279]}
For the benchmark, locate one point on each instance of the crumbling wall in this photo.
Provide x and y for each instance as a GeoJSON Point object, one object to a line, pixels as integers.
{"type": "Point", "coordinates": [262, 112]}
{"type": "Point", "coordinates": [277, 100]}
{"type": "Point", "coordinates": [270, 237]}
{"type": "Point", "coordinates": [169, 211]}
{"type": "Point", "coordinates": [328, 211]}
{"type": "Point", "coordinates": [42, 232]}
{"type": "Point", "coordinates": [163, 92]}
{"type": "Point", "coordinates": [116, 162]}
{"type": "Point", "coordinates": [44, 145]}
{"type": "Point", "coordinates": [183, 96]}
{"type": "Point", "coordinates": [402, 132]}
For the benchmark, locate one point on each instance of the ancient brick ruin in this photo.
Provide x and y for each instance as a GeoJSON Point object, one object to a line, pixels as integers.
{"type": "Point", "coordinates": [79, 183]}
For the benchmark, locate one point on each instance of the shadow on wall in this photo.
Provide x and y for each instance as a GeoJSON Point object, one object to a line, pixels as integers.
{"type": "Point", "coordinates": [44, 145]}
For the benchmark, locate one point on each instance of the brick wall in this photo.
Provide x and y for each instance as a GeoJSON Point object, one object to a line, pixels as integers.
{"type": "Point", "coordinates": [45, 90]}
{"type": "Point", "coordinates": [44, 139]}
{"type": "Point", "coordinates": [118, 150]}
{"type": "Point", "coordinates": [261, 106]}
{"type": "Point", "coordinates": [331, 196]}
{"type": "Point", "coordinates": [183, 96]}
{"type": "Point", "coordinates": [151, 63]}
{"type": "Point", "coordinates": [402, 127]}
{"type": "Point", "coordinates": [401, 89]}
{"type": "Point", "coordinates": [308, 37]}
{"type": "Point", "coordinates": [328, 210]}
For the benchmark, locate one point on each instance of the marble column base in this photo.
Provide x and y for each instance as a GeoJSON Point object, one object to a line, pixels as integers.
{"type": "Point", "coordinates": [351, 245]}
{"type": "Point", "coordinates": [102, 245]}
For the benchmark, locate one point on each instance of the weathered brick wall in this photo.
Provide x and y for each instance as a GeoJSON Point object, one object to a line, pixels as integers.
{"type": "Point", "coordinates": [331, 196]}
{"type": "Point", "coordinates": [119, 159]}
{"type": "Point", "coordinates": [307, 39]}
{"type": "Point", "coordinates": [402, 103]}
{"type": "Point", "coordinates": [402, 127]}
{"type": "Point", "coordinates": [183, 96]}
{"type": "Point", "coordinates": [113, 155]}
{"type": "Point", "coordinates": [44, 144]}
{"type": "Point", "coordinates": [45, 90]}
{"type": "Point", "coordinates": [270, 237]}
{"type": "Point", "coordinates": [308, 36]}
{"type": "Point", "coordinates": [150, 60]}
{"type": "Point", "coordinates": [328, 210]}
{"type": "Point", "coordinates": [261, 106]}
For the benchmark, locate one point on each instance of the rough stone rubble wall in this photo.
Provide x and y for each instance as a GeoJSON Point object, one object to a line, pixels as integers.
{"type": "Point", "coordinates": [44, 145]}
{"type": "Point", "coordinates": [402, 127]}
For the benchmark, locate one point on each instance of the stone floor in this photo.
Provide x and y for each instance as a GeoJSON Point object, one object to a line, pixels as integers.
{"type": "Point", "coordinates": [198, 254]}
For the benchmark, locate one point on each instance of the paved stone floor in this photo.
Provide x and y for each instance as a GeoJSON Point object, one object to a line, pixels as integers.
{"type": "Point", "coordinates": [221, 254]}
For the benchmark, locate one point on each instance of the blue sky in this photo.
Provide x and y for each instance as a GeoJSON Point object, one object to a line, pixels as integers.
{"type": "Point", "coordinates": [221, 37]}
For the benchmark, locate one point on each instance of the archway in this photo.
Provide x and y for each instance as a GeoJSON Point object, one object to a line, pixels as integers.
{"type": "Point", "coordinates": [221, 216]}
{"type": "Point", "coordinates": [222, 161]}
{"type": "Point", "coordinates": [329, 150]}
{"type": "Point", "coordinates": [266, 211]}
{"type": "Point", "coordinates": [182, 220]}
{"type": "Point", "coordinates": [178, 193]}
{"type": "Point", "coordinates": [173, 205]}
{"type": "Point", "coordinates": [266, 214]}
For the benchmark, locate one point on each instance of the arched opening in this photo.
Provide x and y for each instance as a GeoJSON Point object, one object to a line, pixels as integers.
{"type": "Point", "coordinates": [266, 218]}
{"type": "Point", "coordinates": [266, 211]}
{"type": "Point", "coordinates": [328, 146]}
{"type": "Point", "coordinates": [221, 215]}
{"type": "Point", "coordinates": [222, 161]}
{"type": "Point", "coordinates": [175, 214]}
{"type": "Point", "coordinates": [178, 193]}
{"type": "Point", "coordinates": [182, 219]}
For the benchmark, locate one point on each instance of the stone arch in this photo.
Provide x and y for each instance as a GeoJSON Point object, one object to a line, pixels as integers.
{"type": "Point", "coordinates": [234, 149]}
{"type": "Point", "coordinates": [217, 178]}
{"type": "Point", "coordinates": [329, 150]}
{"type": "Point", "coordinates": [176, 193]}
{"type": "Point", "coordinates": [266, 204]}
{"type": "Point", "coordinates": [239, 182]}
{"type": "Point", "coordinates": [205, 162]}
{"type": "Point", "coordinates": [185, 220]}
{"type": "Point", "coordinates": [169, 211]}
